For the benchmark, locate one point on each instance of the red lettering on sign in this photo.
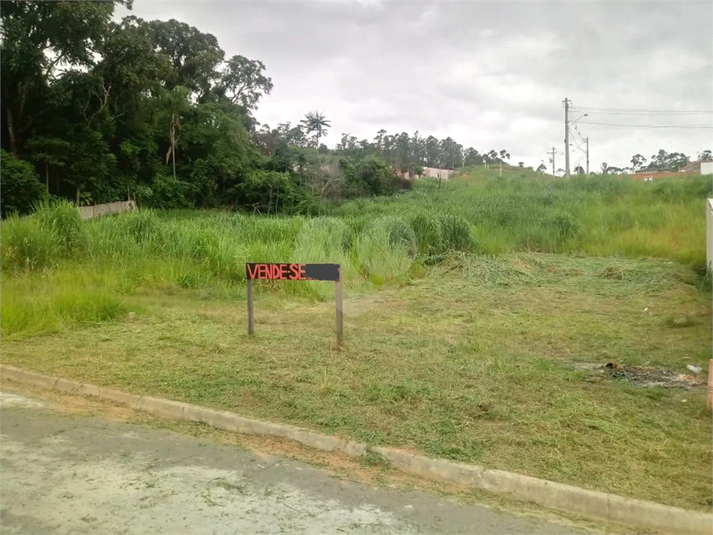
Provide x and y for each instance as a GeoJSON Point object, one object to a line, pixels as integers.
{"type": "Point", "coordinates": [286, 271]}
{"type": "Point", "coordinates": [252, 272]}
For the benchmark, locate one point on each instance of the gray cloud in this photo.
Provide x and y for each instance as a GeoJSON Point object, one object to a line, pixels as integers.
{"type": "Point", "coordinates": [489, 74]}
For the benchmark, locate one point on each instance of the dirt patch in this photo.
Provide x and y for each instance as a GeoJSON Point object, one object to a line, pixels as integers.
{"type": "Point", "coordinates": [641, 376]}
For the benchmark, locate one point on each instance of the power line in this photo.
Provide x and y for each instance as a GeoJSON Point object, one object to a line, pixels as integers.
{"type": "Point", "coordinates": [635, 113]}
{"type": "Point", "coordinates": [627, 111]}
{"type": "Point", "coordinates": [691, 126]}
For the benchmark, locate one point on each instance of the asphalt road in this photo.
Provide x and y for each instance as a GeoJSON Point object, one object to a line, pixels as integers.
{"type": "Point", "coordinates": [73, 474]}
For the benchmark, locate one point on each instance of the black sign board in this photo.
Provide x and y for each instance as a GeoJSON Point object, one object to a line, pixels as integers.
{"type": "Point", "coordinates": [295, 272]}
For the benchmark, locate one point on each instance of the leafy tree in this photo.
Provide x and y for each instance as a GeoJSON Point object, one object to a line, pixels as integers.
{"type": "Point", "coordinates": [265, 139]}
{"type": "Point", "coordinates": [471, 157]}
{"type": "Point", "coordinates": [20, 185]}
{"type": "Point", "coordinates": [316, 122]}
{"type": "Point", "coordinates": [638, 161]}
{"type": "Point", "coordinates": [433, 152]}
{"type": "Point", "coordinates": [244, 82]}
{"type": "Point", "coordinates": [268, 192]}
{"type": "Point", "coordinates": [168, 193]}
{"type": "Point", "coordinates": [48, 152]}
{"type": "Point", "coordinates": [194, 55]}
{"type": "Point", "coordinates": [542, 168]}
{"type": "Point", "coordinates": [379, 140]}
{"type": "Point", "coordinates": [36, 38]}
{"type": "Point", "coordinates": [677, 161]}
{"type": "Point", "coordinates": [293, 135]}
{"type": "Point", "coordinates": [451, 153]}
{"type": "Point", "coordinates": [282, 159]}
{"type": "Point", "coordinates": [706, 156]}
{"type": "Point", "coordinates": [370, 176]}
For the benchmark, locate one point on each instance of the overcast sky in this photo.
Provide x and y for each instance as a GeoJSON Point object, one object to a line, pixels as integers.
{"type": "Point", "coordinates": [492, 75]}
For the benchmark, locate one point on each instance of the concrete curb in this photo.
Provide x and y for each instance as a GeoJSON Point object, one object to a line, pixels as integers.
{"type": "Point", "coordinates": [586, 503]}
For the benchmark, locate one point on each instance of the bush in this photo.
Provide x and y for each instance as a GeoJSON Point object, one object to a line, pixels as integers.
{"type": "Point", "coordinates": [268, 192]}
{"type": "Point", "coordinates": [565, 227]}
{"type": "Point", "coordinates": [428, 233]}
{"type": "Point", "coordinates": [62, 219]}
{"type": "Point", "coordinates": [20, 187]}
{"type": "Point", "coordinates": [370, 176]}
{"type": "Point", "coordinates": [25, 246]}
{"type": "Point", "coordinates": [456, 233]}
{"type": "Point", "coordinates": [168, 193]}
{"type": "Point", "coordinates": [142, 226]}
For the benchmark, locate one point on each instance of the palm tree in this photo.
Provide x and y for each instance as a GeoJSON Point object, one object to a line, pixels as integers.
{"type": "Point", "coordinates": [316, 122]}
{"type": "Point", "coordinates": [171, 106]}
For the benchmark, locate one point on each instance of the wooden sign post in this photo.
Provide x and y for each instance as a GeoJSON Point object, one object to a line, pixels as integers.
{"type": "Point", "coordinates": [296, 272]}
{"type": "Point", "coordinates": [709, 397]}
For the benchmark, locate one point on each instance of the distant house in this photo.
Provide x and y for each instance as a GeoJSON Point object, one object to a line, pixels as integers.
{"type": "Point", "coordinates": [700, 168]}
{"type": "Point", "coordinates": [428, 172]}
{"type": "Point", "coordinates": [692, 169]}
{"type": "Point", "coordinates": [433, 172]}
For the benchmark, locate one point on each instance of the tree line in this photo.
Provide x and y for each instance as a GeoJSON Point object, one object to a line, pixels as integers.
{"type": "Point", "coordinates": [662, 161]}
{"type": "Point", "coordinates": [96, 111]}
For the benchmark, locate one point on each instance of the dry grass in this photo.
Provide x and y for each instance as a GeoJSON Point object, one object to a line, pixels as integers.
{"type": "Point", "coordinates": [471, 362]}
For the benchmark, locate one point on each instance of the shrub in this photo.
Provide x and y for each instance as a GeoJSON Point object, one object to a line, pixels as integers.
{"type": "Point", "coordinates": [456, 233]}
{"type": "Point", "coordinates": [142, 226]}
{"type": "Point", "coordinates": [268, 192]}
{"type": "Point", "coordinates": [20, 187]}
{"type": "Point", "coordinates": [565, 226]}
{"type": "Point", "coordinates": [168, 193]}
{"type": "Point", "coordinates": [372, 176]}
{"type": "Point", "coordinates": [25, 246]}
{"type": "Point", "coordinates": [428, 233]}
{"type": "Point", "coordinates": [62, 219]}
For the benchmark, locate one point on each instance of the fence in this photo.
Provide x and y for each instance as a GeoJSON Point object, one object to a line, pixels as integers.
{"type": "Point", "coordinates": [98, 210]}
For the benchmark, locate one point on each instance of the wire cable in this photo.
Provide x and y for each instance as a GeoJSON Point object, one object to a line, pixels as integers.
{"type": "Point", "coordinates": [690, 126]}
{"type": "Point", "coordinates": [623, 111]}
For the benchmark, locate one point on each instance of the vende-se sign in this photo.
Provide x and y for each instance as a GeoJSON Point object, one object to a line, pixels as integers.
{"type": "Point", "coordinates": [293, 272]}
{"type": "Point", "coordinates": [296, 272]}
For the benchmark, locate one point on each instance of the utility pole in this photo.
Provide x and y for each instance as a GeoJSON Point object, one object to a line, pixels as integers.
{"type": "Point", "coordinates": [566, 137]}
{"type": "Point", "coordinates": [587, 140]}
{"type": "Point", "coordinates": [553, 160]}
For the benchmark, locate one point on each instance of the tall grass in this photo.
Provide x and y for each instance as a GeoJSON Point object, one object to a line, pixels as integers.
{"type": "Point", "coordinates": [376, 241]}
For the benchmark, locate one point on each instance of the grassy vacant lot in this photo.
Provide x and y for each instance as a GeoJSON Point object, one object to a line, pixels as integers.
{"type": "Point", "coordinates": [472, 357]}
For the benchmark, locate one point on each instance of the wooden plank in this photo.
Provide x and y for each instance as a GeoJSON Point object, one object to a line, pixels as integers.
{"type": "Point", "coordinates": [709, 399]}
{"type": "Point", "coordinates": [251, 317]}
{"type": "Point", "coordinates": [338, 306]}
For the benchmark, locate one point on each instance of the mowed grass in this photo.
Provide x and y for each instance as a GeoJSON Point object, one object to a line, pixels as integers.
{"type": "Point", "coordinates": [472, 360]}
{"type": "Point", "coordinates": [467, 310]}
